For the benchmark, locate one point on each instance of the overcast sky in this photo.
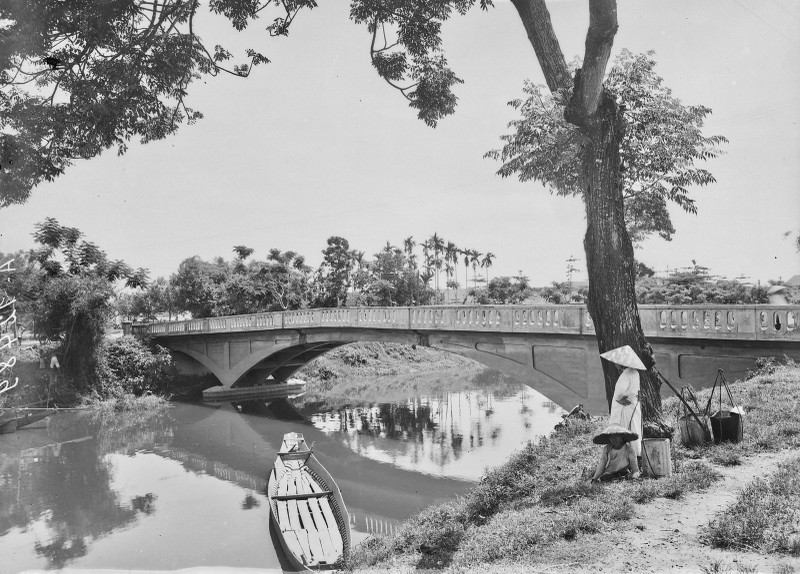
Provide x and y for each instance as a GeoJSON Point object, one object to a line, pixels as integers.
{"type": "Point", "coordinates": [316, 144]}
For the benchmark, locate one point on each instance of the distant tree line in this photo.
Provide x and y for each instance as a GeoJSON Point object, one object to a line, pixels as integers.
{"type": "Point", "coordinates": [414, 273]}
{"type": "Point", "coordinates": [68, 291]}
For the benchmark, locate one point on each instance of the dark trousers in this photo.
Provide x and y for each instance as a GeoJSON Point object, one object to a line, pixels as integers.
{"type": "Point", "coordinates": [610, 476]}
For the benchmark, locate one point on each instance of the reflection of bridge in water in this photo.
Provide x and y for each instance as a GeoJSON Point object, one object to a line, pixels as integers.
{"type": "Point", "coordinates": [241, 448]}
{"type": "Point", "coordinates": [359, 520]}
{"type": "Point", "coordinates": [551, 348]}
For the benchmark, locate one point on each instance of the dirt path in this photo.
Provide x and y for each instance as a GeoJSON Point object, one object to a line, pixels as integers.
{"type": "Point", "coordinates": [664, 534]}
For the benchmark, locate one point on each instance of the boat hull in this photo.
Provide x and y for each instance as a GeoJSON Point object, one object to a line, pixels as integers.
{"type": "Point", "coordinates": [307, 509]}
{"type": "Point", "coordinates": [22, 418]}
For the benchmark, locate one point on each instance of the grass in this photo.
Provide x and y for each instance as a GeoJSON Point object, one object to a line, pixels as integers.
{"type": "Point", "coordinates": [540, 499]}
{"type": "Point", "coordinates": [765, 516]}
{"type": "Point", "coordinates": [127, 402]}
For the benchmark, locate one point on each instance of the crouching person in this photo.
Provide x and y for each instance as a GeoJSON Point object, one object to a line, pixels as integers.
{"type": "Point", "coordinates": [617, 460]}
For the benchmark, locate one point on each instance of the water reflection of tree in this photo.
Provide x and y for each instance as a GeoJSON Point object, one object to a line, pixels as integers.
{"type": "Point", "coordinates": [250, 502]}
{"type": "Point", "coordinates": [69, 490]}
{"type": "Point", "coordinates": [441, 422]}
{"type": "Point", "coordinates": [388, 420]}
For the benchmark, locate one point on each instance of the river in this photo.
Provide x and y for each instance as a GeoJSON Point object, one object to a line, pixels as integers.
{"type": "Point", "coordinates": [184, 488]}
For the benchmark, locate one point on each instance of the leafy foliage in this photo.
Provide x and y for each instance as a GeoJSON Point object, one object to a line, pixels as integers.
{"type": "Point", "coordinates": [127, 365]}
{"type": "Point", "coordinates": [696, 286]}
{"type": "Point", "coordinates": [77, 78]}
{"type": "Point", "coordinates": [395, 280]}
{"type": "Point", "coordinates": [504, 291]}
{"type": "Point", "coordinates": [333, 276]}
{"type": "Point", "coordinates": [80, 77]}
{"type": "Point", "coordinates": [75, 310]}
{"type": "Point", "coordinates": [67, 286]}
{"type": "Point", "coordinates": [663, 140]}
{"type": "Point", "coordinates": [563, 293]}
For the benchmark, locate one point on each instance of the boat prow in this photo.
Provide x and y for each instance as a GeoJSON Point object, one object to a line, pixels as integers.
{"type": "Point", "coordinates": [307, 508]}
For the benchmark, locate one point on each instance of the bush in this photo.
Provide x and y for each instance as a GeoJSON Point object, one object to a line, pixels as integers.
{"type": "Point", "coordinates": [127, 365]}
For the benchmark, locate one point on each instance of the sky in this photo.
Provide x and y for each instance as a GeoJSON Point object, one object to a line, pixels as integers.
{"type": "Point", "coordinates": [315, 144]}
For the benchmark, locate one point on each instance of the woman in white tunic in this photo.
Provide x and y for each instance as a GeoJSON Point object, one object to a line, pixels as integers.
{"type": "Point", "coordinates": [625, 408]}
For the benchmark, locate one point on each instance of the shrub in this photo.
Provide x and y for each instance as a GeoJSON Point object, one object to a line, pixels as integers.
{"type": "Point", "coordinates": [127, 365]}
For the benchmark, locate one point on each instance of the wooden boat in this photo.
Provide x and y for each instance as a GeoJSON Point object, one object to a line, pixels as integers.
{"type": "Point", "coordinates": [22, 417]}
{"type": "Point", "coordinates": [307, 508]}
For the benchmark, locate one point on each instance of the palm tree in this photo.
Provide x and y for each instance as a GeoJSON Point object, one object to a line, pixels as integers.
{"type": "Point", "coordinates": [466, 253]}
{"type": "Point", "coordinates": [428, 261]}
{"type": "Point", "coordinates": [450, 259]}
{"type": "Point", "coordinates": [408, 249]}
{"type": "Point", "coordinates": [475, 259]}
{"type": "Point", "coordinates": [487, 262]}
{"type": "Point", "coordinates": [437, 242]}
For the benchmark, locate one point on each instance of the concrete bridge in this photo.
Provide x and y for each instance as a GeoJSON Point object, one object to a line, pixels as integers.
{"type": "Point", "coordinates": [551, 348]}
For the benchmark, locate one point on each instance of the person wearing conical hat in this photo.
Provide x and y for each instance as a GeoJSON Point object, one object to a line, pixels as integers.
{"type": "Point", "coordinates": [617, 459]}
{"type": "Point", "coordinates": [625, 408]}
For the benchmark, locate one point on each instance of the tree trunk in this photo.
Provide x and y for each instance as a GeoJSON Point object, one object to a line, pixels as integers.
{"type": "Point", "coordinates": [611, 264]}
{"type": "Point", "coordinates": [609, 251]}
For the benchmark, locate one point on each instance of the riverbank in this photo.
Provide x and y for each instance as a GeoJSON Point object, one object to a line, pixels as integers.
{"type": "Point", "coordinates": [365, 373]}
{"type": "Point", "coordinates": [537, 512]}
{"type": "Point", "coordinates": [39, 386]}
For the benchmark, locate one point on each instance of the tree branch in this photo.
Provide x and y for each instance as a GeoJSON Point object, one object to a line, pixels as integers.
{"type": "Point", "coordinates": [536, 18]}
{"type": "Point", "coordinates": [599, 40]}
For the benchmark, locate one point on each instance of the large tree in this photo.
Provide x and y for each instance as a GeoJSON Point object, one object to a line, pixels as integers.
{"type": "Point", "coordinates": [80, 77]}
{"type": "Point", "coordinates": [72, 300]}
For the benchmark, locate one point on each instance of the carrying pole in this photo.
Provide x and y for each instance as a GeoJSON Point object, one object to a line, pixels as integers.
{"type": "Point", "coordinates": [689, 408]}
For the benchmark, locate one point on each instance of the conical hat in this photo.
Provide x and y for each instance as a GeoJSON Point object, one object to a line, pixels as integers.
{"type": "Point", "coordinates": [624, 356]}
{"type": "Point", "coordinates": [604, 436]}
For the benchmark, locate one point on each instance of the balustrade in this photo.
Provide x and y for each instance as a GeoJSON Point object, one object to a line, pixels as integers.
{"type": "Point", "coordinates": [682, 321]}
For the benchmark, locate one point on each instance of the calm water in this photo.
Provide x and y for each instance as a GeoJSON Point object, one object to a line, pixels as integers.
{"type": "Point", "coordinates": [184, 489]}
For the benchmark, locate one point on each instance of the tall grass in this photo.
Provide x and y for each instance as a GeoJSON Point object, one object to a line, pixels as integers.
{"type": "Point", "coordinates": [765, 516]}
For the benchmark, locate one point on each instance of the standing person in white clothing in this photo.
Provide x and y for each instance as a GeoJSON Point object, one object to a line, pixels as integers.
{"type": "Point", "coordinates": [625, 408]}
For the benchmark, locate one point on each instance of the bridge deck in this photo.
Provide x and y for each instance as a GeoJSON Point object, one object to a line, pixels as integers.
{"type": "Point", "coordinates": [726, 322]}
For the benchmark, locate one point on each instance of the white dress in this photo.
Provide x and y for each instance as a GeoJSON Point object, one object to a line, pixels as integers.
{"type": "Point", "coordinates": [628, 416]}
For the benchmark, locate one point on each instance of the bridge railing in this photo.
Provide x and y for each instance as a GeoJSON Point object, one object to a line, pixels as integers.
{"type": "Point", "coordinates": [749, 322]}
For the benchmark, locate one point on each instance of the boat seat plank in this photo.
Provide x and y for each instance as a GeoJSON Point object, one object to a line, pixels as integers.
{"type": "Point", "coordinates": [302, 496]}
{"type": "Point", "coordinates": [311, 484]}
{"type": "Point", "coordinates": [333, 529]}
{"type": "Point", "coordinates": [283, 515]}
{"type": "Point", "coordinates": [295, 455]}
{"type": "Point", "coordinates": [293, 542]}
{"type": "Point", "coordinates": [322, 527]}
{"type": "Point", "coordinates": [296, 525]}
{"type": "Point", "coordinates": [302, 484]}
{"type": "Point", "coordinates": [283, 484]}
{"type": "Point", "coordinates": [311, 530]}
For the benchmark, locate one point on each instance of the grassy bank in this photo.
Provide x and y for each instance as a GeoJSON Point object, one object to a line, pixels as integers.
{"type": "Point", "coordinates": [765, 516]}
{"type": "Point", "coordinates": [363, 373]}
{"type": "Point", "coordinates": [539, 503]}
